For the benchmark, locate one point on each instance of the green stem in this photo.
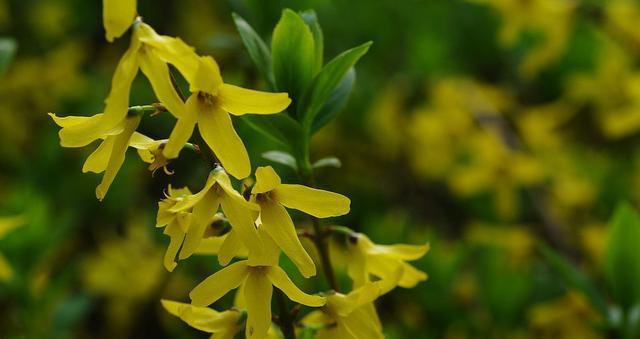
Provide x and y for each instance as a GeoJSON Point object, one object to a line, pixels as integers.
{"type": "Point", "coordinates": [323, 250]}
{"type": "Point", "coordinates": [286, 322]}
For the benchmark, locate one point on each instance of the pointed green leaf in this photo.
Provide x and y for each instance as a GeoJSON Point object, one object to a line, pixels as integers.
{"type": "Point", "coordinates": [257, 49]}
{"type": "Point", "coordinates": [327, 80]}
{"type": "Point", "coordinates": [293, 55]}
{"type": "Point", "coordinates": [8, 49]}
{"type": "Point", "coordinates": [282, 158]}
{"type": "Point", "coordinates": [336, 102]}
{"type": "Point", "coordinates": [310, 17]}
{"type": "Point", "coordinates": [574, 278]}
{"type": "Point", "coordinates": [621, 261]}
{"type": "Point", "coordinates": [279, 128]}
{"type": "Point", "coordinates": [328, 162]}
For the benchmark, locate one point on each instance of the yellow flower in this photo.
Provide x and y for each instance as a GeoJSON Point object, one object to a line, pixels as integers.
{"type": "Point", "coordinates": [209, 106]}
{"type": "Point", "coordinates": [257, 285]}
{"type": "Point", "coordinates": [7, 224]}
{"type": "Point", "coordinates": [177, 223]}
{"type": "Point", "coordinates": [383, 261]}
{"type": "Point", "coordinates": [150, 151]}
{"type": "Point", "coordinates": [568, 317]}
{"type": "Point", "coordinates": [223, 325]}
{"type": "Point", "coordinates": [352, 316]}
{"type": "Point", "coordinates": [117, 16]}
{"type": "Point", "coordinates": [110, 154]}
{"type": "Point", "coordinates": [273, 196]}
{"type": "Point", "coordinates": [240, 213]}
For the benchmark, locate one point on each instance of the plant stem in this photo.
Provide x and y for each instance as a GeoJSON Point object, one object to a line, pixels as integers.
{"type": "Point", "coordinates": [323, 250]}
{"type": "Point", "coordinates": [286, 322]}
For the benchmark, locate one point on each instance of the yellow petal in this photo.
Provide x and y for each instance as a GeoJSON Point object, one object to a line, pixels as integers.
{"type": "Point", "coordinates": [360, 324]}
{"type": "Point", "coordinates": [356, 267]}
{"type": "Point", "coordinates": [239, 101]}
{"type": "Point", "coordinates": [280, 280]}
{"type": "Point", "coordinates": [118, 15]}
{"type": "Point", "coordinates": [139, 140]}
{"type": "Point", "coordinates": [177, 236]}
{"type": "Point", "coordinates": [207, 77]}
{"type": "Point", "coordinates": [217, 131]}
{"type": "Point", "coordinates": [257, 293]}
{"type": "Point", "coordinates": [266, 180]}
{"type": "Point", "coordinates": [231, 248]}
{"type": "Point", "coordinates": [345, 304]}
{"type": "Point", "coordinates": [81, 131]}
{"type": "Point", "coordinates": [158, 74]}
{"type": "Point", "coordinates": [98, 160]}
{"type": "Point", "coordinates": [401, 251]}
{"type": "Point", "coordinates": [278, 224]}
{"type": "Point", "coordinates": [183, 129]}
{"type": "Point", "coordinates": [211, 245]}
{"type": "Point", "coordinates": [242, 222]}
{"type": "Point", "coordinates": [116, 159]}
{"type": "Point", "coordinates": [203, 212]}
{"type": "Point", "coordinates": [204, 318]}
{"type": "Point", "coordinates": [70, 121]}
{"type": "Point", "coordinates": [319, 203]}
{"type": "Point", "coordinates": [218, 284]}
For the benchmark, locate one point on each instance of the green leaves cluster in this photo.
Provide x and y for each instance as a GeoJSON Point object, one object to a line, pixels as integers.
{"type": "Point", "coordinates": [295, 64]}
{"type": "Point", "coordinates": [619, 301]}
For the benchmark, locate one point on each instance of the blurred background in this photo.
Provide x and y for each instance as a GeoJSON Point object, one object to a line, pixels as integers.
{"type": "Point", "coordinates": [489, 128]}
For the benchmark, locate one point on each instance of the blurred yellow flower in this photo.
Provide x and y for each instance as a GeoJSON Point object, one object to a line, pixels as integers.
{"type": "Point", "coordinates": [384, 261]}
{"type": "Point", "coordinates": [7, 224]}
{"type": "Point", "coordinates": [273, 196]}
{"type": "Point", "coordinates": [516, 240]}
{"type": "Point", "coordinates": [565, 318]}
{"type": "Point", "coordinates": [257, 285]}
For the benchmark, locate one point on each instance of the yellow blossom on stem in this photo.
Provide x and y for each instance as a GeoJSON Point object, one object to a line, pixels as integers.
{"type": "Point", "coordinates": [209, 106]}
{"type": "Point", "coordinates": [383, 261]}
{"type": "Point", "coordinates": [257, 283]}
{"type": "Point", "coordinates": [177, 223]}
{"type": "Point", "coordinates": [273, 196]}
{"type": "Point", "coordinates": [117, 15]}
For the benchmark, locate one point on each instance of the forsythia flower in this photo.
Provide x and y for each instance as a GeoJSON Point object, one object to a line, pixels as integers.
{"type": "Point", "coordinates": [223, 325]}
{"type": "Point", "coordinates": [257, 284]}
{"type": "Point", "coordinates": [383, 261]}
{"type": "Point", "coordinates": [110, 155]}
{"type": "Point", "coordinates": [117, 15]}
{"type": "Point", "coordinates": [352, 316]}
{"type": "Point", "coordinates": [177, 223]}
{"type": "Point", "coordinates": [209, 106]}
{"type": "Point", "coordinates": [7, 224]}
{"type": "Point", "coordinates": [273, 196]}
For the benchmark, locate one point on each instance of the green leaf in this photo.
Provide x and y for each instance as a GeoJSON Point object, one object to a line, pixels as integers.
{"type": "Point", "coordinates": [282, 158]}
{"type": "Point", "coordinates": [336, 102]}
{"type": "Point", "coordinates": [574, 278]}
{"type": "Point", "coordinates": [258, 50]}
{"type": "Point", "coordinates": [327, 80]}
{"type": "Point", "coordinates": [328, 162]}
{"type": "Point", "coordinates": [279, 128]}
{"type": "Point", "coordinates": [8, 49]}
{"type": "Point", "coordinates": [293, 55]}
{"type": "Point", "coordinates": [621, 261]}
{"type": "Point", "coordinates": [310, 17]}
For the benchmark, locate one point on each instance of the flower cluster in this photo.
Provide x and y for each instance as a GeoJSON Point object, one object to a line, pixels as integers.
{"type": "Point", "coordinates": [257, 225]}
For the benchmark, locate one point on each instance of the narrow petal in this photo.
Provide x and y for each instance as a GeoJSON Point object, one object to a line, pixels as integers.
{"type": "Point", "coordinates": [278, 224]}
{"type": "Point", "coordinates": [117, 156]}
{"type": "Point", "coordinates": [118, 15]}
{"type": "Point", "coordinates": [266, 180]}
{"type": "Point", "coordinates": [217, 131]}
{"type": "Point", "coordinates": [81, 131]}
{"type": "Point", "coordinates": [177, 236]}
{"type": "Point", "coordinates": [183, 129]}
{"type": "Point", "coordinates": [280, 280]}
{"type": "Point", "coordinates": [242, 222]}
{"type": "Point", "coordinates": [203, 318]}
{"type": "Point", "coordinates": [400, 251]}
{"type": "Point", "coordinates": [207, 78]}
{"type": "Point", "coordinates": [218, 284]}
{"type": "Point", "coordinates": [71, 121]}
{"type": "Point", "coordinates": [257, 293]}
{"type": "Point", "coordinates": [158, 74]}
{"type": "Point", "coordinates": [361, 325]}
{"type": "Point", "coordinates": [203, 212]}
{"type": "Point", "coordinates": [239, 101]}
{"type": "Point", "coordinates": [98, 160]}
{"type": "Point", "coordinates": [345, 304]}
{"type": "Point", "coordinates": [319, 203]}
{"type": "Point", "coordinates": [231, 247]}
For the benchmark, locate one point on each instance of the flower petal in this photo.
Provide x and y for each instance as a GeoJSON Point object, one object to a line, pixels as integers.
{"type": "Point", "coordinates": [158, 74]}
{"type": "Point", "coordinates": [217, 131]}
{"type": "Point", "coordinates": [203, 213]}
{"type": "Point", "coordinates": [400, 251]}
{"type": "Point", "coordinates": [183, 129]}
{"type": "Point", "coordinates": [204, 318]}
{"type": "Point", "coordinates": [98, 160]}
{"type": "Point", "coordinates": [118, 15]}
{"type": "Point", "coordinates": [319, 203]}
{"type": "Point", "coordinates": [121, 143]}
{"type": "Point", "coordinates": [242, 222]}
{"type": "Point", "coordinates": [231, 247]}
{"type": "Point", "coordinates": [239, 101]}
{"type": "Point", "coordinates": [177, 236]}
{"type": "Point", "coordinates": [218, 284]}
{"type": "Point", "coordinates": [266, 180]}
{"type": "Point", "coordinates": [257, 294]}
{"type": "Point", "coordinates": [278, 224]}
{"type": "Point", "coordinates": [280, 280]}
